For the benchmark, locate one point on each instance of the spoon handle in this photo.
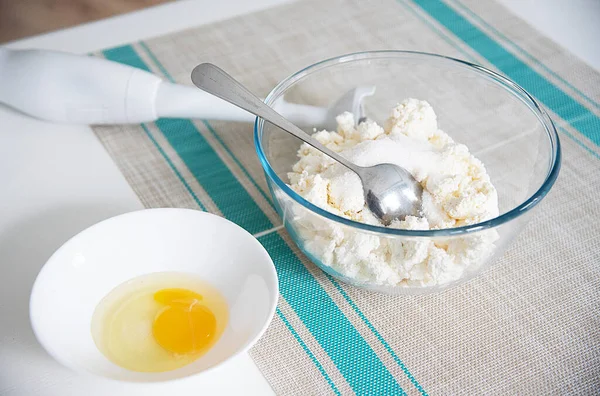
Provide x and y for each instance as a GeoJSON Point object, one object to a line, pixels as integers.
{"type": "Point", "coordinates": [214, 80]}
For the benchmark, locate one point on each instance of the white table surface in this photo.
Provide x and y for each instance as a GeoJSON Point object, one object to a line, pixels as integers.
{"type": "Point", "coordinates": [57, 180]}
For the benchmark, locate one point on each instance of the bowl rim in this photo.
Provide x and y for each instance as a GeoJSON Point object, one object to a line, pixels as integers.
{"type": "Point", "coordinates": [509, 85]}
{"type": "Point", "coordinates": [34, 296]}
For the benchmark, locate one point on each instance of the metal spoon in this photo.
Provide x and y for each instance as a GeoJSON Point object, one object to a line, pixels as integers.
{"type": "Point", "coordinates": [390, 191]}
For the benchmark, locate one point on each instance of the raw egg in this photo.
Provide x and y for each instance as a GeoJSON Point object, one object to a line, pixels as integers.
{"type": "Point", "coordinates": [159, 322]}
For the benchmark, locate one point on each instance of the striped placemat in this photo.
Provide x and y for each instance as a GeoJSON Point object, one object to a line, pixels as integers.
{"type": "Point", "coordinates": [529, 325]}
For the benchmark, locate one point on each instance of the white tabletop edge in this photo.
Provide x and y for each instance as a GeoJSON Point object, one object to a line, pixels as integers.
{"type": "Point", "coordinates": [150, 22]}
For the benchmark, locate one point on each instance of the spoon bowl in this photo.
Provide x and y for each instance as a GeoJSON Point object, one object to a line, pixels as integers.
{"type": "Point", "coordinates": [391, 192]}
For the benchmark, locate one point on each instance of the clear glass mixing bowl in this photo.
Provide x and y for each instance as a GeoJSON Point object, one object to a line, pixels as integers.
{"type": "Point", "coordinates": [501, 124]}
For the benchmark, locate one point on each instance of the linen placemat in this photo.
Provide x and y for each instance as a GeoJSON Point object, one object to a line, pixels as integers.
{"type": "Point", "coordinates": [528, 325]}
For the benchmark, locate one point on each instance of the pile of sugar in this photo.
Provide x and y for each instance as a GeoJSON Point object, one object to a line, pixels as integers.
{"type": "Point", "coordinates": [456, 191]}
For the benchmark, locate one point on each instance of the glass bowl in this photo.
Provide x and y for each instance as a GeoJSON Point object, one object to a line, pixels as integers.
{"type": "Point", "coordinates": [501, 123]}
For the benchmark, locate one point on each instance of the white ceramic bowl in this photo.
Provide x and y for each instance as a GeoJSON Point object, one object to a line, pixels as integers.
{"type": "Point", "coordinates": [91, 264]}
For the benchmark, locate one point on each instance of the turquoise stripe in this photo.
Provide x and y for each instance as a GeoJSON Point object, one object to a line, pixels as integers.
{"type": "Point", "coordinates": [470, 58]}
{"type": "Point", "coordinates": [218, 138]}
{"type": "Point", "coordinates": [172, 166]}
{"type": "Point", "coordinates": [308, 351]}
{"type": "Point", "coordinates": [365, 375]}
{"type": "Point", "coordinates": [435, 29]}
{"type": "Point", "coordinates": [351, 354]}
{"type": "Point", "coordinates": [387, 347]}
{"type": "Point", "coordinates": [559, 102]}
{"type": "Point", "coordinates": [352, 304]}
{"type": "Point", "coordinates": [126, 55]}
{"type": "Point", "coordinates": [213, 175]}
{"type": "Point", "coordinates": [579, 142]}
{"type": "Point", "coordinates": [206, 123]}
{"type": "Point", "coordinates": [229, 195]}
{"type": "Point", "coordinates": [524, 52]}
{"type": "Point", "coordinates": [155, 61]}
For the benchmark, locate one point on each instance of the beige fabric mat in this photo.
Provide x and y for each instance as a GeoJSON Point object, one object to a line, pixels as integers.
{"type": "Point", "coordinates": [529, 325]}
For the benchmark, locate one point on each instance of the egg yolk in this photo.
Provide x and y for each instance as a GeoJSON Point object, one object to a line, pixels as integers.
{"type": "Point", "coordinates": [184, 325]}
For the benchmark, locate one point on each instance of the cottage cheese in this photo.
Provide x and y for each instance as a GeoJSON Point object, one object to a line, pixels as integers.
{"type": "Point", "coordinates": [456, 191]}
